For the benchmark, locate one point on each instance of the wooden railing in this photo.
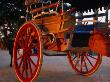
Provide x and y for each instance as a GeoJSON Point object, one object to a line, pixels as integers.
{"type": "Point", "coordinates": [44, 7]}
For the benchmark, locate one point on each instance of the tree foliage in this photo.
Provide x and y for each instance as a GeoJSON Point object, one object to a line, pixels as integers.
{"type": "Point", "coordinates": [10, 12]}
{"type": "Point", "coordinates": [11, 9]}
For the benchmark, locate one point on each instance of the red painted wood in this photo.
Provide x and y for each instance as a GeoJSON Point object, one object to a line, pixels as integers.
{"type": "Point", "coordinates": [27, 52]}
{"type": "Point", "coordinates": [100, 41]}
{"type": "Point", "coordinates": [84, 63]}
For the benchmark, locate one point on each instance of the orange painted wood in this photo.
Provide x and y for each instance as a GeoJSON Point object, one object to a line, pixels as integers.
{"type": "Point", "coordinates": [56, 23]}
{"type": "Point", "coordinates": [44, 7]}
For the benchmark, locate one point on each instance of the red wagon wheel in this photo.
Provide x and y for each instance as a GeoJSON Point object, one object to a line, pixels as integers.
{"type": "Point", "coordinates": [27, 53]}
{"type": "Point", "coordinates": [85, 63]}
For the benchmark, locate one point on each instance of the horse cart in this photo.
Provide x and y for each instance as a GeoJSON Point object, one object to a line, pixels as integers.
{"type": "Point", "coordinates": [49, 30]}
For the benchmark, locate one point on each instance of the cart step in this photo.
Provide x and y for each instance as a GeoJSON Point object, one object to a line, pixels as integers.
{"type": "Point", "coordinates": [54, 53]}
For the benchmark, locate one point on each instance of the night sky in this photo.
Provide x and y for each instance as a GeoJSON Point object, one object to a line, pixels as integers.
{"type": "Point", "coordinates": [11, 9]}
{"type": "Point", "coordinates": [79, 4]}
{"type": "Point", "coordinates": [16, 8]}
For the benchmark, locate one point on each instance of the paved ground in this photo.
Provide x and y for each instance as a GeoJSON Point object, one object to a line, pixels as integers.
{"type": "Point", "coordinates": [55, 69]}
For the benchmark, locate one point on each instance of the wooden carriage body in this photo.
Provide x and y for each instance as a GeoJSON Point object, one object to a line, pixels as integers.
{"type": "Point", "coordinates": [55, 23]}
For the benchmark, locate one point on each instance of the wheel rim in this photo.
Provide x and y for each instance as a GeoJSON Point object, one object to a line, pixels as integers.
{"type": "Point", "coordinates": [85, 63]}
{"type": "Point", "coordinates": [27, 53]}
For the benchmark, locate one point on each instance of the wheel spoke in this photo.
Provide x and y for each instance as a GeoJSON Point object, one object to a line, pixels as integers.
{"type": "Point", "coordinates": [78, 59]}
{"type": "Point", "coordinates": [26, 74]}
{"type": "Point", "coordinates": [30, 67]}
{"type": "Point", "coordinates": [26, 69]}
{"type": "Point", "coordinates": [21, 62]}
{"type": "Point", "coordinates": [77, 62]}
{"type": "Point", "coordinates": [30, 43]}
{"type": "Point", "coordinates": [20, 57]}
{"type": "Point", "coordinates": [89, 61]}
{"type": "Point", "coordinates": [92, 56]}
{"type": "Point", "coordinates": [82, 58]}
{"type": "Point", "coordinates": [74, 58]}
{"type": "Point", "coordinates": [81, 66]}
{"type": "Point", "coordinates": [23, 68]}
{"type": "Point", "coordinates": [29, 38]}
{"type": "Point", "coordinates": [30, 60]}
{"type": "Point", "coordinates": [85, 65]}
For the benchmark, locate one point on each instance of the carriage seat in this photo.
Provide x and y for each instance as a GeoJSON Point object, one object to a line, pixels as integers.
{"type": "Point", "coordinates": [82, 35]}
